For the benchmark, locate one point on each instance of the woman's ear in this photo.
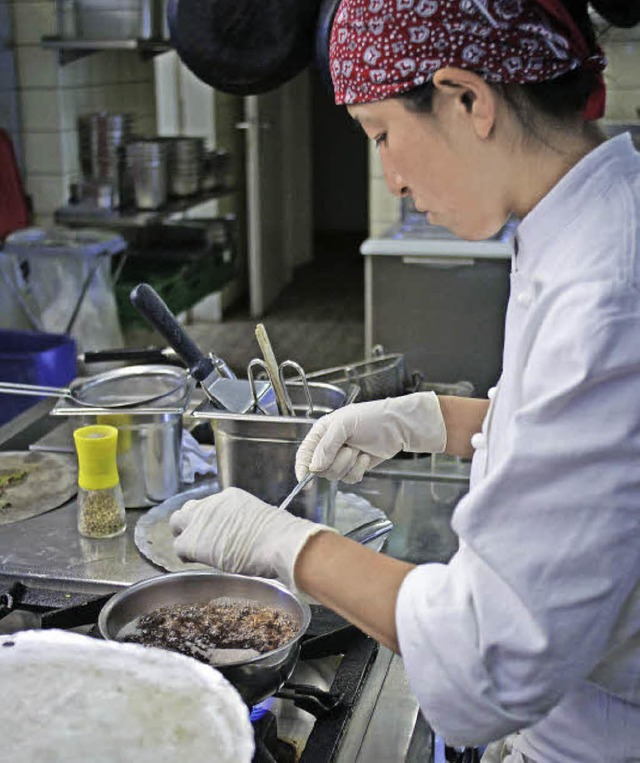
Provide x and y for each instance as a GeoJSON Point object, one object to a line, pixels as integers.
{"type": "Point", "coordinates": [471, 94]}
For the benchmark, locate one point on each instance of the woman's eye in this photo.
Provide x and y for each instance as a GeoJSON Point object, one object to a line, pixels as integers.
{"type": "Point", "coordinates": [381, 139]}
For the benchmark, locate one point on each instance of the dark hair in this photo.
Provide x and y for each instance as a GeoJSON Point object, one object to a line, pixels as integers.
{"type": "Point", "coordinates": [564, 97]}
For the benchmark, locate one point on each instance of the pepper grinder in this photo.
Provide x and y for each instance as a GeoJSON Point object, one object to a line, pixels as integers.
{"type": "Point", "coordinates": [101, 511]}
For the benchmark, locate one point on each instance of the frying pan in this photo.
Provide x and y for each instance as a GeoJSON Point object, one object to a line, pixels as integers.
{"type": "Point", "coordinates": [256, 678]}
{"type": "Point", "coordinates": [244, 47]}
{"type": "Point", "coordinates": [327, 14]}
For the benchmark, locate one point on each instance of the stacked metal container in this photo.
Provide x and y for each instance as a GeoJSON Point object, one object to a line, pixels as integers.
{"type": "Point", "coordinates": [147, 170]}
{"type": "Point", "coordinates": [185, 165]}
{"type": "Point", "coordinates": [101, 140]}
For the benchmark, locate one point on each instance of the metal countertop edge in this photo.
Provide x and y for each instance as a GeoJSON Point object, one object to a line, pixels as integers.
{"type": "Point", "coordinates": [385, 716]}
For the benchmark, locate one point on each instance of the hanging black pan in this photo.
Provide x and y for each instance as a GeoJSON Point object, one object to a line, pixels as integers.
{"type": "Point", "coordinates": [244, 47]}
{"type": "Point", "coordinates": [328, 10]}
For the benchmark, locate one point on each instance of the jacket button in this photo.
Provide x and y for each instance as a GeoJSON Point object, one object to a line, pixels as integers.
{"type": "Point", "coordinates": [491, 392]}
{"type": "Point", "coordinates": [524, 298]}
{"type": "Point", "coordinates": [478, 441]}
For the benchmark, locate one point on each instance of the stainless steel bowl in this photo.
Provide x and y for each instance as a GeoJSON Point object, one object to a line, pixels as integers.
{"type": "Point", "coordinates": [256, 678]}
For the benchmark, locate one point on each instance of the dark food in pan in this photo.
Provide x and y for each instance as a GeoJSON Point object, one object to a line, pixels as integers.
{"type": "Point", "coordinates": [203, 630]}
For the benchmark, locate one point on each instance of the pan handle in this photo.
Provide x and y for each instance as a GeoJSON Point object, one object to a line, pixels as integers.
{"type": "Point", "coordinates": [37, 390]}
{"type": "Point", "coordinates": [131, 354]}
{"type": "Point", "coordinates": [151, 305]}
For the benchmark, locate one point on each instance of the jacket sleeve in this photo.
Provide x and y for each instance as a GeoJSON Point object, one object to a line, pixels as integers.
{"type": "Point", "coordinates": [548, 560]}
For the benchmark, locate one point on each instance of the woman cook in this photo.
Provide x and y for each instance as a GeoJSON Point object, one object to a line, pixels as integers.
{"type": "Point", "coordinates": [529, 638]}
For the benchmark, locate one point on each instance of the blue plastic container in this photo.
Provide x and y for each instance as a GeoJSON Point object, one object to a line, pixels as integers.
{"type": "Point", "coordinates": [32, 357]}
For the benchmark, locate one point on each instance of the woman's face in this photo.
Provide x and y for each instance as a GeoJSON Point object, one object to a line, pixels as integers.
{"type": "Point", "coordinates": [440, 161]}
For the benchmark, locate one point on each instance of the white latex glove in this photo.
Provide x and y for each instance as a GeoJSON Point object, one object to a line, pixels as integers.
{"type": "Point", "coordinates": [236, 532]}
{"type": "Point", "coordinates": [344, 444]}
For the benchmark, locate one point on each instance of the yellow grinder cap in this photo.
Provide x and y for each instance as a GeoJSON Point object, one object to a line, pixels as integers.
{"type": "Point", "coordinates": [96, 447]}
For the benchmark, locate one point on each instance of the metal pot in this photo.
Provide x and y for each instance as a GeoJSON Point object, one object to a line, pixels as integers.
{"type": "Point", "coordinates": [149, 453]}
{"type": "Point", "coordinates": [256, 678]}
{"type": "Point", "coordinates": [147, 168]}
{"type": "Point", "coordinates": [257, 453]}
{"type": "Point", "coordinates": [149, 434]}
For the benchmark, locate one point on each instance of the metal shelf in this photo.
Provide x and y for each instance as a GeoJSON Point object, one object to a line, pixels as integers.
{"type": "Point", "coordinates": [85, 214]}
{"type": "Point", "coordinates": [71, 50]}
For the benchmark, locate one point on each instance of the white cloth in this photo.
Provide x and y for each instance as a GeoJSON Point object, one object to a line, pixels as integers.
{"type": "Point", "coordinates": [234, 531]}
{"type": "Point", "coordinates": [344, 444]}
{"type": "Point", "coordinates": [196, 458]}
{"type": "Point", "coordinates": [535, 622]}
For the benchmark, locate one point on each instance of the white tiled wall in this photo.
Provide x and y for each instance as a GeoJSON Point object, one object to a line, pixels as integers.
{"type": "Point", "coordinates": [622, 76]}
{"type": "Point", "coordinates": [51, 97]}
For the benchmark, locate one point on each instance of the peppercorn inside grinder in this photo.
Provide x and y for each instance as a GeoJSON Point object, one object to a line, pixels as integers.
{"type": "Point", "coordinates": [101, 512]}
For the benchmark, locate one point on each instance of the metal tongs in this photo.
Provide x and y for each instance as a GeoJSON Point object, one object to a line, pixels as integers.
{"type": "Point", "coordinates": [282, 404]}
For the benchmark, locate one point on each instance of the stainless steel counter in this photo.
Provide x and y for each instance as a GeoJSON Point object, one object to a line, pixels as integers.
{"type": "Point", "coordinates": [48, 550]}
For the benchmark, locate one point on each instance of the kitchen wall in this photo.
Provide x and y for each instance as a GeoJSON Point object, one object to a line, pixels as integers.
{"type": "Point", "coordinates": [51, 97]}
{"type": "Point", "coordinates": [622, 76]}
{"type": "Point", "coordinates": [40, 101]}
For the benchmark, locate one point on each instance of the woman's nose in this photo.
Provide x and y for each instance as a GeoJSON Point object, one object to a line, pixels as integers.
{"type": "Point", "coordinates": [394, 181]}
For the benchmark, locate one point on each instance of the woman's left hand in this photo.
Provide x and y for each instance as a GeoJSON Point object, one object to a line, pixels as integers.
{"type": "Point", "coordinates": [234, 531]}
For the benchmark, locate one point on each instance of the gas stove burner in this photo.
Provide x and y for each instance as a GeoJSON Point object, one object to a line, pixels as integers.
{"type": "Point", "coordinates": [304, 721]}
{"type": "Point", "coordinates": [269, 747]}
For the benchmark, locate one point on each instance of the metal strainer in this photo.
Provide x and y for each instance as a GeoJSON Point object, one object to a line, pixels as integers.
{"type": "Point", "coordinates": [120, 388]}
{"type": "Point", "coordinates": [383, 375]}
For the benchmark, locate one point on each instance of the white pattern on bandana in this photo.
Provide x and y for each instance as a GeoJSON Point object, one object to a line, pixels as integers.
{"type": "Point", "coordinates": [390, 44]}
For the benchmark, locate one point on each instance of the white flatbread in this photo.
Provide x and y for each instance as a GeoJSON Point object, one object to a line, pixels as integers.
{"type": "Point", "coordinates": [50, 480]}
{"type": "Point", "coordinates": [70, 698]}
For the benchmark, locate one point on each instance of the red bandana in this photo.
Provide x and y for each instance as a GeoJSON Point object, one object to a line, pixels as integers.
{"type": "Point", "coordinates": [381, 48]}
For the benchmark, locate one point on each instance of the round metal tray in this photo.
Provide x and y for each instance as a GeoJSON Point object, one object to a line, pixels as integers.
{"type": "Point", "coordinates": [154, 538]}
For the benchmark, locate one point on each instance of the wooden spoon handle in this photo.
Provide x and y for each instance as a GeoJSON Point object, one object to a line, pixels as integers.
{"type": "Point", "coordinates": [273, 370]}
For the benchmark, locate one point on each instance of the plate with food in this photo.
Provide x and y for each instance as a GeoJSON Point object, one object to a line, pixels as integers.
{"type": "Point", "coordinates": [32, 483]}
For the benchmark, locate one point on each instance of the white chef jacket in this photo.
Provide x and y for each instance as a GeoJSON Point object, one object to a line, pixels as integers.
{"type": "Point", "coordinates": [535, 622]}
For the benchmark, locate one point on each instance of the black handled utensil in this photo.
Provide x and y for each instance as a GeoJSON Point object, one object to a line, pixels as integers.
{"type": "Point", "coordinates": [217, 380]}
{"type": "Point", "coordinates": [150, 304]}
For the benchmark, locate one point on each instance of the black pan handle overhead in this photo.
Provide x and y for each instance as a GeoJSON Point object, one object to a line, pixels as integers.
{"type": "Point", "coordinates": [152, 307]}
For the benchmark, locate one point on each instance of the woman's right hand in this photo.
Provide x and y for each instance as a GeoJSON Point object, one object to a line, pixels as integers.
{"type": "Point", "coordinates": [346, 443]}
